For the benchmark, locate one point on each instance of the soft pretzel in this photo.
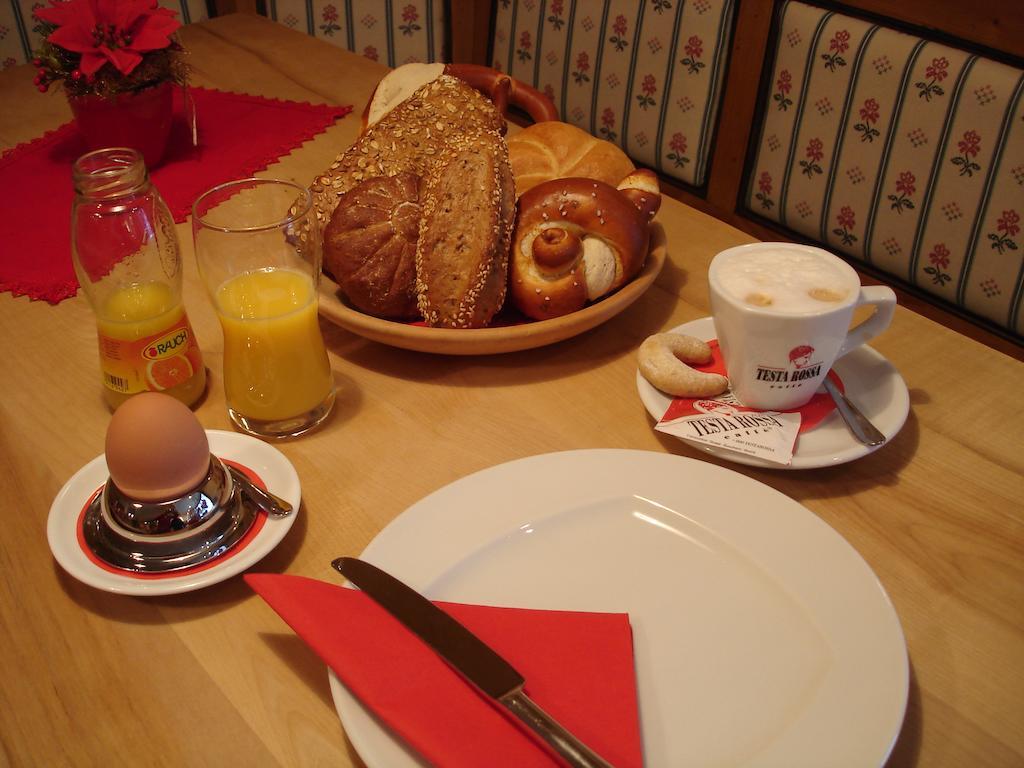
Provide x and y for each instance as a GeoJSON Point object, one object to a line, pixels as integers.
{"type": "Point", "coordinates": [641, 188]}
{"type": "Point", "coordinates": [663, 359]}
{"type": "Point", "coordinates": [576, 240]}
{"type": "Point", "coordinates": [504, 90]}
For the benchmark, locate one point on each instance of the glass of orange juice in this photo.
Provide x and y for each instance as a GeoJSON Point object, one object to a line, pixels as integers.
{"type": "Point", "coordinates": [258, 248]}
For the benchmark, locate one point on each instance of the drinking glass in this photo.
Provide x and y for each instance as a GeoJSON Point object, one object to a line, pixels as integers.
{"type": "Point", "coordinates": [258, 248]}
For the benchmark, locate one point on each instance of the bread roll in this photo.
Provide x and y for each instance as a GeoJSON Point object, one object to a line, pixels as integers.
{"type": "Point", "coordinates": [408, 139]}
{"type": "Point", "coordinates": [576, 240]}
{"type": "Point", "coordinates": [462, 251]}
{"type": "Point", "coordinates": [401, 82]}
{"type": "Point", "coordinates": [398, 85]}
{"type": "Point", "coordinates": [450, 137]}
{"type": "Point", "coordinates": [370, 245]}
{"type": "Point", "coordinates": [556, 150]}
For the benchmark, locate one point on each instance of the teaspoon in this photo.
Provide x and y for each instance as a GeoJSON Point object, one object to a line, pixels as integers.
{"type": "Point", "coordinates": [858, 423]}
{"type": "Point", "coordinates": [269, 502]}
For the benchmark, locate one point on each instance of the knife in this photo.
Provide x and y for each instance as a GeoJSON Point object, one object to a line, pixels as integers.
{"type": "Point", "coordinates": [467, 654]}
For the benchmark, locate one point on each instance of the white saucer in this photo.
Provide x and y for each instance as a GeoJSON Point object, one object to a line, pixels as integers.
{"type": "Point", "coordinates": [272, 467]}
{"type": "Point", "coordinates": [871, 382]}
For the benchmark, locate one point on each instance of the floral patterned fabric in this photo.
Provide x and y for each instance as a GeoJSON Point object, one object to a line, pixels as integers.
{"type": "Point", "coordinates": [393, 33]}
{"type": "Point", "coordinates": [645, 74]}
{"type": "Point", "coordinates": [19, 30]}
{"type": "Point", "coordinates": [899, 152]}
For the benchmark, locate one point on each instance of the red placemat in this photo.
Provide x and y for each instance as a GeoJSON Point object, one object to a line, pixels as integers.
{"type": "Point", "coordinates": [238, 136]}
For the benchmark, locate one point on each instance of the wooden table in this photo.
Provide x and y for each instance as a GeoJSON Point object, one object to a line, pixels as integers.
{"type": "Point", "coordinates": [215, 678]}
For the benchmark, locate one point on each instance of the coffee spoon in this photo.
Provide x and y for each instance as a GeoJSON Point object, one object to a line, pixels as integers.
{"type": "Point", "coordinates": [269, 502]}
{"type": "Point", "coordinates": [858, 423]}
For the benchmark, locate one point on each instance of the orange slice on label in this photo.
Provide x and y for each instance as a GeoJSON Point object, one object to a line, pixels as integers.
{"type": "Point", "coordinates": [169, 372]}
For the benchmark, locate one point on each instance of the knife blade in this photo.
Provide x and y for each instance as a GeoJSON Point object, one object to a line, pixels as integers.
{"type": "Point", "coordinates": [473, 659]}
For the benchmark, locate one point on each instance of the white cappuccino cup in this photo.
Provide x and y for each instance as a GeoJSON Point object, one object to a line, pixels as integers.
{"type": "Point", "coordinates": [782, 316]}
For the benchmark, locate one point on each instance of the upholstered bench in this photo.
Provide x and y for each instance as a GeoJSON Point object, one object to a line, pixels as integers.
{"type": "Point", "coordinates": [904, 154]}
{"type": "Point", "coordinates": [646, 76]}
{"type": "Point", "coordinates": [393, 32]}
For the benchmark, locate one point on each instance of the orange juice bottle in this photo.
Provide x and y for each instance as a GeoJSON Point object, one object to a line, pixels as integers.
{"type": "Point", "coordinates": [128, 262]}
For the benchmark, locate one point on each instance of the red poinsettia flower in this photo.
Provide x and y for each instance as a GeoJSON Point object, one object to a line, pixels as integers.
{"type": "Point", "coordinates": [118, 31]}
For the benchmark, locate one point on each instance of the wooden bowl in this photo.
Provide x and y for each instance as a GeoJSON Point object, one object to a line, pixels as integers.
{"type": "Point", "coordinates": [529, 334]}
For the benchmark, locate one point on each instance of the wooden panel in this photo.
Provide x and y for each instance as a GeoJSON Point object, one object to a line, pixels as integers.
{"type": "Point", "coordinates": [739, 100]}
{"type": "Point", "coordinates": [223, 7]}
{"type": "Point", "coordinates": [470, 22]}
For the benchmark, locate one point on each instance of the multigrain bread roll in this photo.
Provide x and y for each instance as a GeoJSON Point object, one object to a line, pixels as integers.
{"type": "Point", "coordinates": [370, 245]}
{"type": "Point", "coordinates": [556, 150]}
{"type": "Point", "coordinates": [408, 139]}
{"type": "Point", "coordinates": [449, 137]}
{"type": "Point", "coordinates": [397, 86]}
{"type": "Point", "coordinates": [500, 88]}
{"type": "Point", "coordinates": [462, 251]}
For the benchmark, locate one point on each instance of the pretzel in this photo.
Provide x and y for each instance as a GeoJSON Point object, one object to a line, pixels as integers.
{"type": "Point", "coordinates": [504, 90]}
{"type": "Point", "coordinates": [576, 240]}
{"type": "Point", "coordinates": [663, 359]}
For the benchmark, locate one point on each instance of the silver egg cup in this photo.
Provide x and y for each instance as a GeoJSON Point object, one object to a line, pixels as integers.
{"type": "Point", "coordinates": [156, 537]}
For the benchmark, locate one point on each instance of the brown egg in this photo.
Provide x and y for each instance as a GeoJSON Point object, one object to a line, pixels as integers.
{"type": "Point", "coordinates": [156, 449]}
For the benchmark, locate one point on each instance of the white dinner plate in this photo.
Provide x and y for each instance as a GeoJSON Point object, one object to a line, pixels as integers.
{"type": "Point", "coordinates": [870, 381]}
{"type": "Point", "coordinates": [268, 463]}
{"type": "Point", "coordinates": [761, 637]}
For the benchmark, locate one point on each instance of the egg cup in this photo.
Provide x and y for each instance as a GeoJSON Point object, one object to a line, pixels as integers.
{"type": "Point", "coordinates": [155, 537]}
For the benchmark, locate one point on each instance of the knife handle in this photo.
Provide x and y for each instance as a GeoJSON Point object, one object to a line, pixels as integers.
{"type": "Point", "coordinates": [572, 750]}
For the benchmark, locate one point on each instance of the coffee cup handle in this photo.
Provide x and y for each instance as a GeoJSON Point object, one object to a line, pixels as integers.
{"type": "Point", "coordinates": [884, 299]}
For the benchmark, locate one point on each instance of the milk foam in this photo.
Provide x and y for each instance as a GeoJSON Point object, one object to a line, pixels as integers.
{"type": "Point", "coordinates": [784, 281]}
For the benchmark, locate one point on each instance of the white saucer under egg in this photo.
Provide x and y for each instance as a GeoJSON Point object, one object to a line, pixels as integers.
{"type": "Point", "coordinates": [264, 461]}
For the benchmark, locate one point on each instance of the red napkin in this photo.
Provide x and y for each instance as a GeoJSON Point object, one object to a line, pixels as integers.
{"type": "Point", "coordinates": [238, 135]}
{"type": "Point", "coordinates": [578, 667]}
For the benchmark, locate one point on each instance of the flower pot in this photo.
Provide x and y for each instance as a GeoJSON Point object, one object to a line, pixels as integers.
{"type": "Point", "coordinates": [140, 120]}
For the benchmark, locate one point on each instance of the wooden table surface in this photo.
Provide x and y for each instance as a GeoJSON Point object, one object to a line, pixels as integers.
{"type": "Point", "coordinates": [213, 677]}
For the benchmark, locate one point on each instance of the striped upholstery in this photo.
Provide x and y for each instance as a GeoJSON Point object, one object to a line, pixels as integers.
{"type": "Point", "coordinates": [392, 33]}
{"type": "Point", "coordinates": [646, 74]}
{"type": "Point", "coordinates": [19, 30]}
{"type": "Point", "coordinates": [900, 152]}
